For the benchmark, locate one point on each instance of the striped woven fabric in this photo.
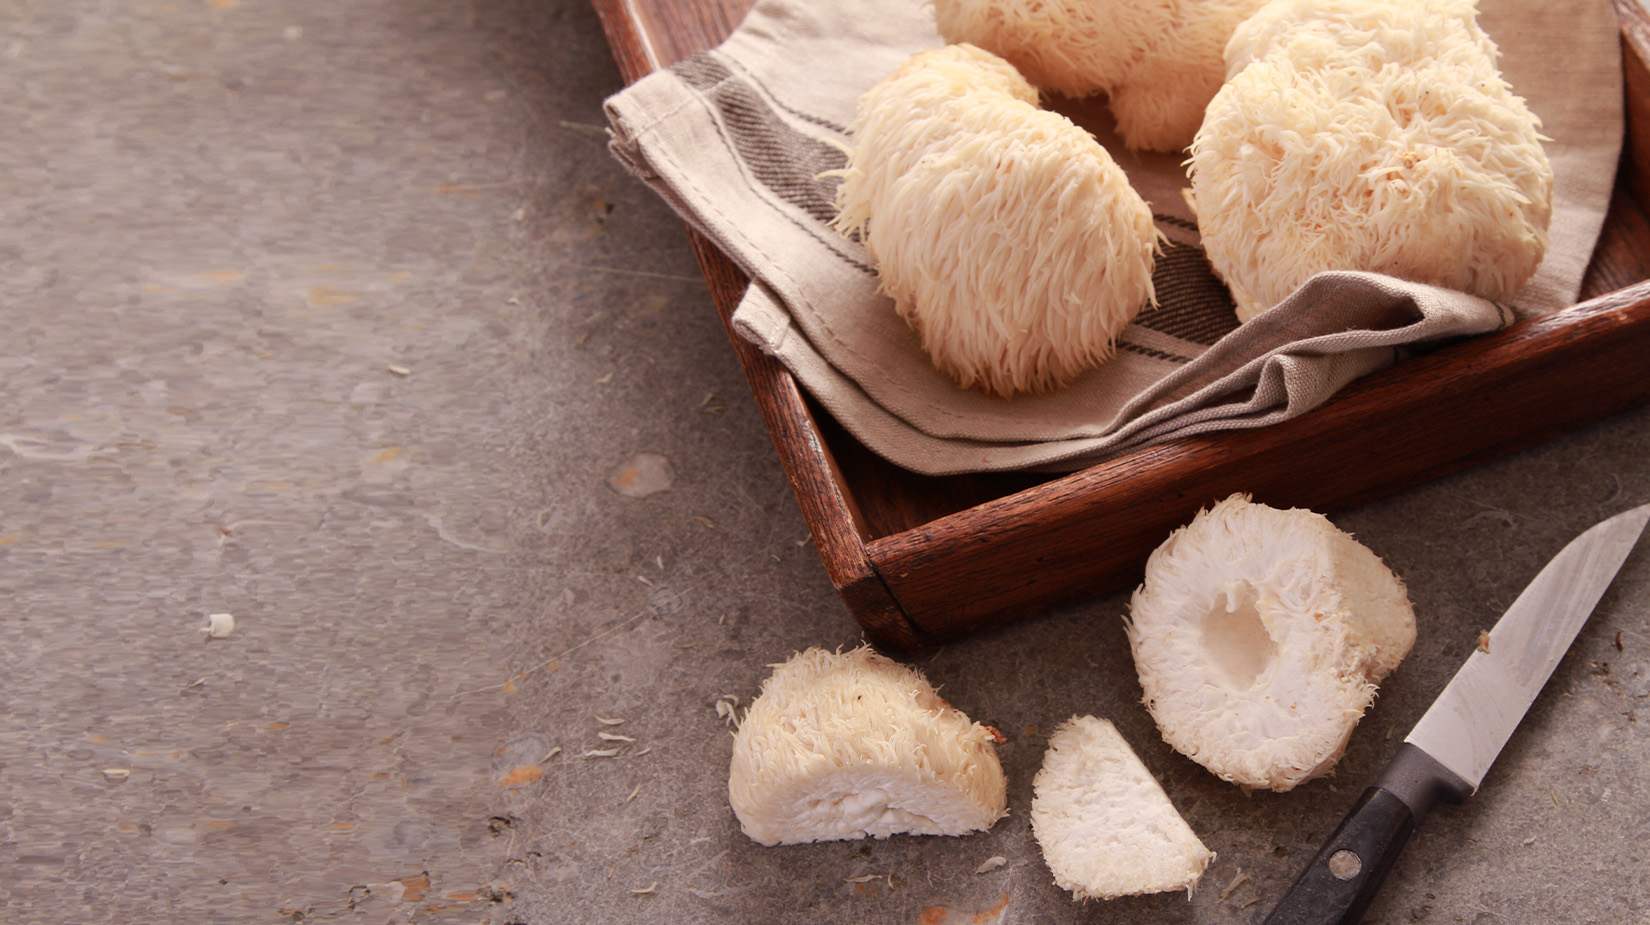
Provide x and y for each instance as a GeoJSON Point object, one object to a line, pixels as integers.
{"type": "Point", "coordinates": [741, 141]}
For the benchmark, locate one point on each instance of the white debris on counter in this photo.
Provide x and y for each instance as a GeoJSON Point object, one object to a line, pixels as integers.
{"type": "Point", "coordinates": [218, 626]}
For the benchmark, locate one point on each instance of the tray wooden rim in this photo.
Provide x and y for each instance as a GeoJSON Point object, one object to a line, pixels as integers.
{"type": "Point", "coordinates": [1022, 551]}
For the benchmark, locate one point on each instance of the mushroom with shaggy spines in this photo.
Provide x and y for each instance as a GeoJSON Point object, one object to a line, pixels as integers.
{"type": "Point", "coordinates": [1369, 135]}
{"type": "Point", "coordinates": [1008, 238]}
{"type": "Point", "coordinates": [848, 745]}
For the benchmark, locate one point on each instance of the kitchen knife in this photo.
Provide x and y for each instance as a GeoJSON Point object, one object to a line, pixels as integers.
{"type": "Point", "coordinates": [1448, 752]}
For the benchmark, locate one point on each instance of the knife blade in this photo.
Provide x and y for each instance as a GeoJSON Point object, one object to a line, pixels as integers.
{"type": "Point", "coordinates": [1445, 757]}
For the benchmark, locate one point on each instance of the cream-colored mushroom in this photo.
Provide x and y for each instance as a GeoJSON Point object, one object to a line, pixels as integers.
{"type": "Point", "coordinates": [1105, 825]}
{"type": "Point", "coordinates": [1369, 135]}
{"type": "Point", "coordinates": [1008, 238]}
{"type": "Point", "coordinates": [850, 745]}
{"type": "Point", "coordinates": [1158, 61]}
{"type": "Point", "coordinates": [1260, 635]}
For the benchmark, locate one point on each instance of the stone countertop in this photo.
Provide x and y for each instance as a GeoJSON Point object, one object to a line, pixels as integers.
{"type": "Point", "coordinates": [339, 318]}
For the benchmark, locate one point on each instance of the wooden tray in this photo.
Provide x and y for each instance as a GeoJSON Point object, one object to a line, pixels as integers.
{"type": "Point", "coordinates": [920, 559]}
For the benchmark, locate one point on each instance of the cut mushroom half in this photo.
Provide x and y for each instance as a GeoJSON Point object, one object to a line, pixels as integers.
{"type": "Point", "coordinates": [1260, 635]}
{"type": "Point", "coordinates": [1106, 827]}
{"type": "Point", "coordinates": [854, 745]}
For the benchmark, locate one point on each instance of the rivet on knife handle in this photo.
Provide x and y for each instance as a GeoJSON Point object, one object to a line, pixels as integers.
{"type": "Point", "coordinates": [1342, 879]}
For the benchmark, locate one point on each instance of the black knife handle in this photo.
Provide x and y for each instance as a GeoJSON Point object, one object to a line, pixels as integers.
{"type": "Point", "coordinates": [1342, 879]}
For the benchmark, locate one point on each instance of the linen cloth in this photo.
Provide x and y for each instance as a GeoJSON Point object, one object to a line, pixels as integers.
{"type": "Point", "coordinates": [739, 141]}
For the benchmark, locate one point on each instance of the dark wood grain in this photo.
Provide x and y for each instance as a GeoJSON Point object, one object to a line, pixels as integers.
{"type": "Point", "coordinates": [1090, 531]}
{"type": "Point", "coordinates": [1635, 37]}
{"type": "Point", "coordinates": [1622, 255]}
{"type": "Point", "coordinates": [646, 35]}
{"type": "Point", "coordinates": [922, 559]}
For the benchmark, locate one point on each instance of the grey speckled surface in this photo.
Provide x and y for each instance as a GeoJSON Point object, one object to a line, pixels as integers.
{"type": "Point", "coordinates": [339, 318]}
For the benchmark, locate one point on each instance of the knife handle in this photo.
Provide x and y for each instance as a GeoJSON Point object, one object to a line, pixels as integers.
{"type": "Point", "coordinates": [1342, 879]}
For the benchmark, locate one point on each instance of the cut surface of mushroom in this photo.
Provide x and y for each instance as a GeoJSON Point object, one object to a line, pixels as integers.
{"type": "Point", "coordinates": [1105, 825]}
{"type": "Point", "coordinates": [854, 745]}
{"type": "Point", "coordinates": [1260, 635]}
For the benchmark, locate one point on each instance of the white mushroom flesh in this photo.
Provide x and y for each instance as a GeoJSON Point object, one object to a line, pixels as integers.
{"type": "Point", "coordinates": [1105, 825]}
{"type": "Point", "coordinates": [1260, 635]}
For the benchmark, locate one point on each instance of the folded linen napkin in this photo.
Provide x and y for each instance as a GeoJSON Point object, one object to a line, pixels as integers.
{"type": "Point", "coordinates": [738, 140]}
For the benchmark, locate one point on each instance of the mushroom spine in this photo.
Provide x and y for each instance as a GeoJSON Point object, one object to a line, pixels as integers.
{"type": "Point", "coordinates": [854, 745]}
{"type": "Point", "coordinates": [1008, 238]}
{"type": "Point", "coordinates": [1369, 135]}
{"type": "Point", "coordinates": [1159, 62]}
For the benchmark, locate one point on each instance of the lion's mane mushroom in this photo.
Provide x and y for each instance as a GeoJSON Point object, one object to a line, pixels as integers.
{"type": "Point", "coordinates": [1105, 825]}
{"type": "Point", "coordinates": [1006, 235]}
{"type": "Point", "coordinates": [1369, 135]}
{"type": "Point", "coordinates": [849, 745]}
{"type": "Point", "coordinates": [1159, 62]}
{"type": "Point", "coordinates": [1259, 636]}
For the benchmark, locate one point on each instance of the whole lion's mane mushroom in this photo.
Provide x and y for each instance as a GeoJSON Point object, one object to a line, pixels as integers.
{"type": "Point", "coordinates": [1369, 135]}
{"type": "Point", "coordinates": [1008, 238]}
{"type": "Point", "coordinates": [1158, 62]}
{"type": "Point", "coordinates": [1259, 635]}
{"type": "Point", "coordinates": [854, 745]}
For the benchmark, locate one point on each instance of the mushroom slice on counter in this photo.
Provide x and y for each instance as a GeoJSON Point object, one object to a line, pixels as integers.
{"type": "Point", "coordinates": [853, 745]}
{"type": "Point", "coordinates": [1259, 636]}
{"type": "Point", "coordinates": [1105, 825]}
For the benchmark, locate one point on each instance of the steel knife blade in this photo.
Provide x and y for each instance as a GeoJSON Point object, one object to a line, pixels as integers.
{"type": "Point", "coordinates": [1445, 757]}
